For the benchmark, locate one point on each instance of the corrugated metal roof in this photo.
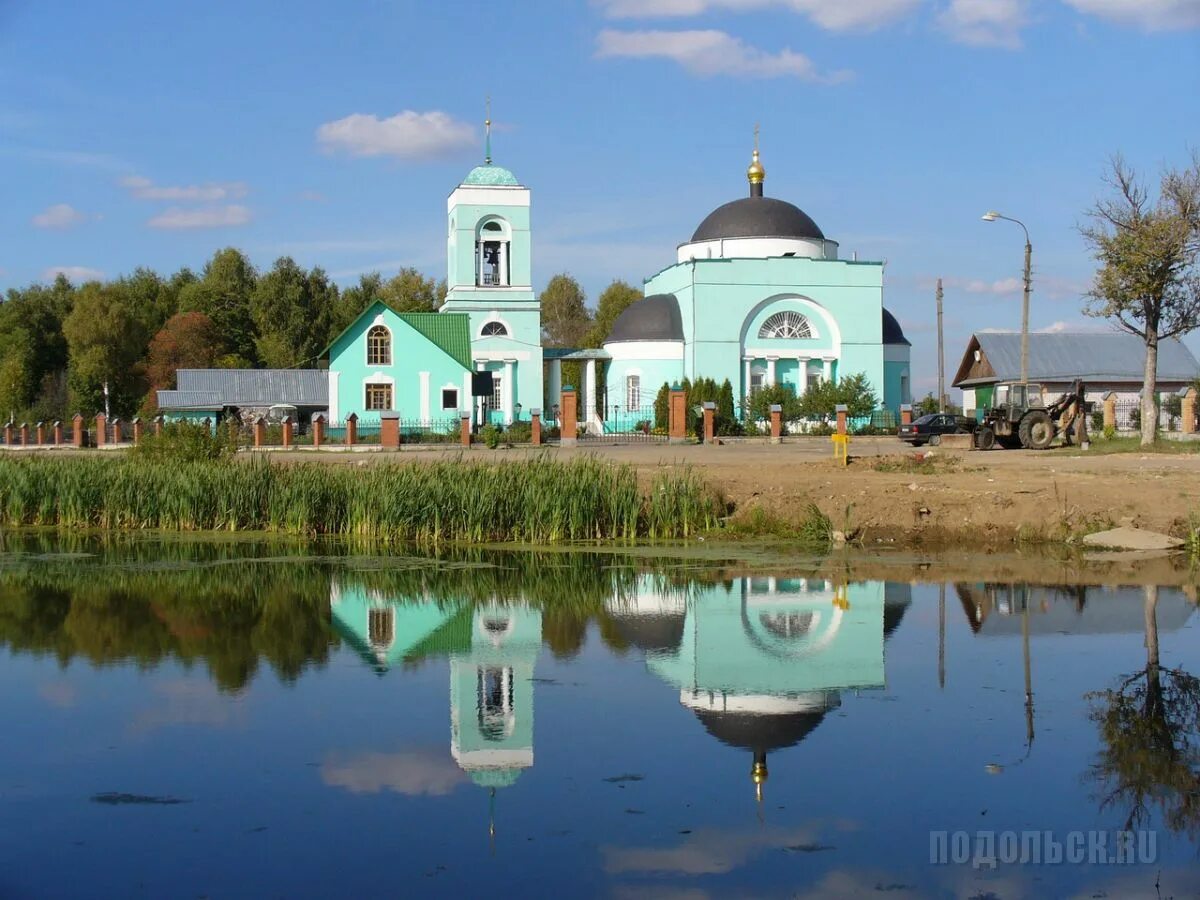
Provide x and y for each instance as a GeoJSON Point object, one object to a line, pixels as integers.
{"type": "Point", "coordinates": [450, 331]}
{"type": "Point", "coordinates": [1115, 356]}
{"type": "Point", "coordinates": [255, 387]}
{"type": "Point", "coordinates": [189, 400]}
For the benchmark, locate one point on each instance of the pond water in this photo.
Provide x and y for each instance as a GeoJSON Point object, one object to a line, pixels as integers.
{"type": "Point", "coordinates": [258, 719]}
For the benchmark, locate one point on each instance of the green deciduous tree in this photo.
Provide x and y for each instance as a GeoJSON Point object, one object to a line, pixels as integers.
{"type": "Point", "coordinates": [291, 309]}
{"type": "Point", "coordinates": [565, 318]}
{"type": "Point", "coordinates": [1149, 256]}
{"type": "Point", "coordinates": [410, 291]}
{"type": "Point", "coordinates": [224, 294]}
{"type": "Point", "coordinates": [107, 338]}
{"type": "Point", "coordinates": [613, 301]}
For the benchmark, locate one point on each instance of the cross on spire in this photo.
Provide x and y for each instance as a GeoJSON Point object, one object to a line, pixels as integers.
{"type": "Point", "coordinates": [487, 125]}
{"type": "Point", "coordinates": [755, 137]}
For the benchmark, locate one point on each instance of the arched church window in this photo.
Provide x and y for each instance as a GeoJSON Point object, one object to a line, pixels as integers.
{"type": "Point", "coordinates": [789, 626]}
{"type": "Point", "coordinates": [381, 627]}
{"type": "Point", "coordinates": [493, 329]}
{"type": "Point", "coordinates": [491, 254]}
{"type": "Point", "coordinates": [379, 346]}
{"type": "Point", "coordinates": [786, 325]}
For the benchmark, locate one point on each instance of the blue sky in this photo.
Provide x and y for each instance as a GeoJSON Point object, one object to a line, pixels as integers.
{"type": "Point", "coordinates": [151, 133]}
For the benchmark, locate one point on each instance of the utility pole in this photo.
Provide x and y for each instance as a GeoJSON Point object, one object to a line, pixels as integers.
{"type": "Point", "coordinates": [941, 354]}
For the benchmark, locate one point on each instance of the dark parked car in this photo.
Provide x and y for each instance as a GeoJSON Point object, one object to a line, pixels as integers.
{"type": "Point", "coordinates": [929, 429]}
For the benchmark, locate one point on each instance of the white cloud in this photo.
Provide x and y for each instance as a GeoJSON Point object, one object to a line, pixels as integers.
{"type": "Point", "coordinates": [835, 15]}
{"type": "Point", "coordinates": [985, 23]}
{"type": "Point", "coordinates": [145, 189]}
{"type": "Point", "coordinates": [407, 135]}
{"type": "Point", "coordinates": [415, 773]}
{"type": "Point", "coordinates": [77, 274]}
{"type": "Point", "coordinates": [60, 215]}
{"type": "Point", "coordinates": [711, 52]}
{"type": "Point", "coordinates": [177, 217]}
{"type": "Point", "coordinates": [1152, 15]}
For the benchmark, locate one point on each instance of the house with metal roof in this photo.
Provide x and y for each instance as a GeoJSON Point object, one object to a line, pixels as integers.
{"type": "Point", "coordinates": [1107, 362]}
{"type": "Point", "coordinates": [216, 393]}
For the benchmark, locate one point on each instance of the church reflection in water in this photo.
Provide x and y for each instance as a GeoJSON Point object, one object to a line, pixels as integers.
{"type": "Point", "coordinates": [759, 661]}
{"type": "Point", "coordinates": [492, 650]}
{"type": "Point", "coordinates": [762, 661]}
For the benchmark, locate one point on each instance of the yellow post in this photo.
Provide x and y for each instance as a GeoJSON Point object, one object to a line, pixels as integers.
{"type": "Point", "coordinates": [841, 447]}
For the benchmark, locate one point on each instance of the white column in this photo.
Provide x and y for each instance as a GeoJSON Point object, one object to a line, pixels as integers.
{"type": "Point", "coordinates": [828, 373]}
{"type": "Point", "coordinates": [589, 399]}
{"type": "Point", "coordinates": [507, 392]}
{"type": "Point", "coordinates": [465, 402]}
{"type": "Point", "coordinates": [803, 362]}
{"type": "Point", "coordinates": [745, 379]}
{"type": "Point", "coordinates": [424, 395]}
{"type": "Point", "coordinates": [334, 401]}
{"type": "Point", "coordinates": [554, 388]}
{"type": "Point", "coordinates": [502, 275]}
{"type": "Point", "coordinates": [771, 371]}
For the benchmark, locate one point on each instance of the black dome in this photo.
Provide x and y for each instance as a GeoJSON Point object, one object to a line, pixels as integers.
{"type": "Point", "coordinates": [758, 217]}
{"type": "Point", "coordinates": [892, 332]}
{"type": "Point", "coordinates": [654, 318]}
{"type": "Point", "coordinates": [758, 732]}
{"type": "Point", "coordinates": [651, 633]}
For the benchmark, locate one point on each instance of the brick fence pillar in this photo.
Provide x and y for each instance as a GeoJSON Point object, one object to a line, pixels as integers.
{"type": "Point", "coordinates": [905, 413]}
{"type": "Point", "coordinates": [77, 430]}
{"type": "Point", "coordinates": [1110, 410]}
{"type": "Point", "coordinates": [101, 430]}
{"type": "Point", "coordinates": [1187, 412]}
{"type": "Point", "coordinates": [569, 411]}
{"type": "Point", "coordinates": [677, 415]}
{"type": "Point", "coordinates": [464, 430]}
{"type": "Point", "coordinates": [318, 426]}
{"type": "Point", "coordinates": [58, 432]}
{"type": "Point", "coordinates": [776, 423]}
{"type": "Point", "coordinates": [137, 431]}
{"type": "Point", "coordinates": [158, 425]}
{"type": "Point", "coordinates": [287, 433]}
{"type": "Point", "coordinates": [841, 411]}
{"type": "Point", "coordinates": [710, 413]}
{"type": "Point", "coordinates": [260, 432]}
{"type": "Point", "coordinates": [41, 433]}
{"type": "Point", "coordinates": [116, 430]}
{"type": "Point", "coordinates": [389, 430]}
{"type": "Point", "coordinates": [8, 434]}
{"type": "Point", "coordinates": [351, 429]}
{"type": "Point", "coordinates": [24, 434]}
{"type": "Point", "coordinates": [535, 427]}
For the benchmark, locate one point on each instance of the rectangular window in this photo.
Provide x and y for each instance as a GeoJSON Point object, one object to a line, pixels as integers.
{"type": "Point", "coordinates": [495, 402]}
{"type": "Point", "coordinates": [449, 398]}
{"type": "Point", "coordinates": [379, 397]}
{"type": "Point", "coordinates": [633, 392]}
{"type": "Point", "coordinates": [756, 382]}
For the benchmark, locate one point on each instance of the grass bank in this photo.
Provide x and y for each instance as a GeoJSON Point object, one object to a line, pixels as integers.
{"type": "Point", "coordinates": [538, 501]}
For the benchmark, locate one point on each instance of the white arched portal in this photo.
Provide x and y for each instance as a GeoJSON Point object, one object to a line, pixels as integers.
{"type": "Point", "coordinates": [813, 342]}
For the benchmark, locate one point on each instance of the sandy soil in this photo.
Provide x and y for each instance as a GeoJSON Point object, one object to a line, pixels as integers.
{"type": "Point", "coordinates": [888, 494]}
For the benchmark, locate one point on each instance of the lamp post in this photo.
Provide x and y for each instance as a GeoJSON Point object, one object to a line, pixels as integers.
{"type": "Point", "coordinates": [992, 216]}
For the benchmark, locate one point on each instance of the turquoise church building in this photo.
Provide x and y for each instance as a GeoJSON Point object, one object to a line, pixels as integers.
{"type": "Point", "coordinates": [758, 295]}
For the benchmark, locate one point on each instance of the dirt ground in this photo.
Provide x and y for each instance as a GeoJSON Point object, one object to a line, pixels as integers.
{"type": "Point", "coordinates": [891, 493]}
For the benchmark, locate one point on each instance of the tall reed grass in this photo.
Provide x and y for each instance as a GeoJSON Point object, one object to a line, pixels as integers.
{"type": "Point", "coordinates": [536, 501]}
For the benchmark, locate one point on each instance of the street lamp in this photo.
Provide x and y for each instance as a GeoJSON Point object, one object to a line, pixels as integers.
{"type": "Point", "coordinates": [992, 216]}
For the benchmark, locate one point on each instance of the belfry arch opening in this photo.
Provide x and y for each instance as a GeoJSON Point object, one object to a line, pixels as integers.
{"type": "Point", "coordinates": [492, 257]}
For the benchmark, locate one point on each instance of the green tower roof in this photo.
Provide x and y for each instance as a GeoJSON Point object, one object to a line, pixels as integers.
{"type": "Point", "coordinates": [491, 176]}
{"type": "Point", "coordinates": [495, 778]}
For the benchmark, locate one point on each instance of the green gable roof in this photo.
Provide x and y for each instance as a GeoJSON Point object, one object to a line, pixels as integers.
{"type": "Point", "coordinates": [450, 331]}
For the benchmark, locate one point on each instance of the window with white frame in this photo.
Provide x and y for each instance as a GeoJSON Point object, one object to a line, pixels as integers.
{"type": "Point", "coordinates": [449, 398]}
{"type": "Point", "coordinates": [494, 402]}
{"type": "Point", "coordinates": [379, 346]}
{"type": "Point", "coordinates": [786, 325]}
{"type": "Point", "coordinates": [758, 378]}
{"type": "Point", "coordinates": [633, 391]}
{"type": "Point", "coordinates": [493, 329]}
{"type": "Point", "coordinates": [378, 397]}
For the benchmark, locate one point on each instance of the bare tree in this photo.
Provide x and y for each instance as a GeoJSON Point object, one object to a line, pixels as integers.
{"type": "Point", "coordinates": [1149, 277]}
